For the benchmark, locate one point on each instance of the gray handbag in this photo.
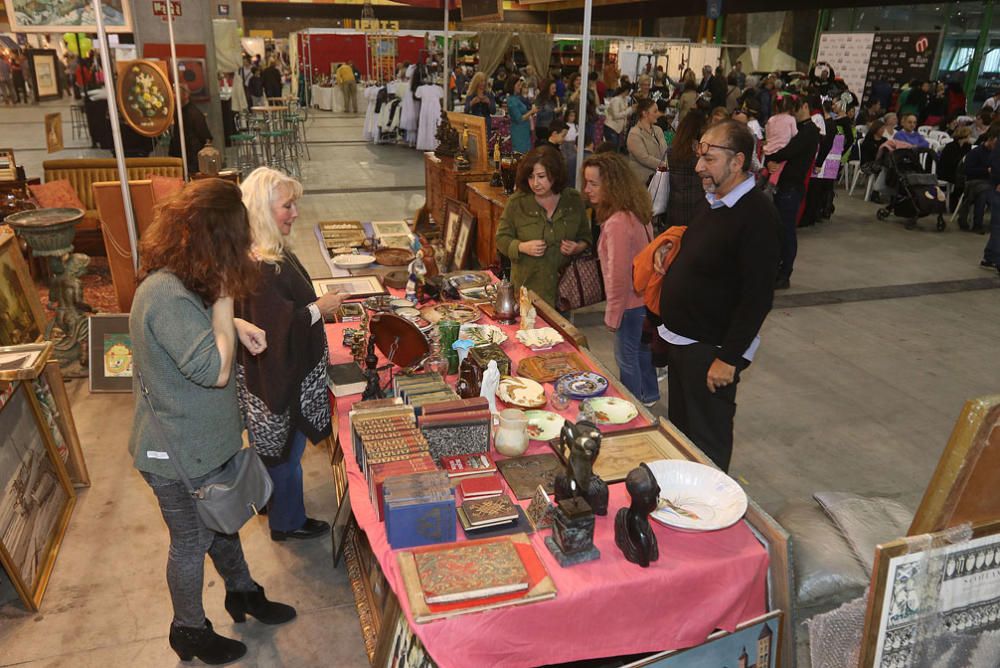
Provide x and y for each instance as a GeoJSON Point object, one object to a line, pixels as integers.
{"type": "Point", "coordinates": [233, 494]}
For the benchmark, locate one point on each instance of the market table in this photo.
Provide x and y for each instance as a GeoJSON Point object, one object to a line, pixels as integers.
{"type": "Point", "coordinates": [322, 97]}
{"type": "Point", "coordinates": [607, 607]}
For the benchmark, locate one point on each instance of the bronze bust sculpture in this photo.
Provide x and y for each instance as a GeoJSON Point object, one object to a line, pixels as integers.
{"type": "Point", "coordinates": [633, 534]}
{"type": "Point", "coordinates": [583, 443]}
{"type": "Point", "coordinates": [449, 144]}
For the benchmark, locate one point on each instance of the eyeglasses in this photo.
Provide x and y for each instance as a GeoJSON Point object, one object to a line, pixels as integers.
{"type": "Point", "coordinates": [702, 148]}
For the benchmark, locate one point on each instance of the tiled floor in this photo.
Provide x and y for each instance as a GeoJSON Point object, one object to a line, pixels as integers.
{"type": "Point", "coordinates": [856, 396]}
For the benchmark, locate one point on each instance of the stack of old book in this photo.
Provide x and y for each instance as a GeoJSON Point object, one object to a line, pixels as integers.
{"type": "Point", "coordinates": [422, 389]}
{"type": "Point", "coordinates": [419, 509]}
{"type": "Point", "coordinates": [458, 427]}
{"type": "Point", "coordinates": [484, 514]}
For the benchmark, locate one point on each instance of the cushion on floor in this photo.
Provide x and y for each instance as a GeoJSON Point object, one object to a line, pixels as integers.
{"type": "Point", "coordinates": [865, 521]}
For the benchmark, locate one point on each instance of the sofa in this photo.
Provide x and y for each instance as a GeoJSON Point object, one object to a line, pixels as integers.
{"type": "Point", "coordinates": [82, 173]}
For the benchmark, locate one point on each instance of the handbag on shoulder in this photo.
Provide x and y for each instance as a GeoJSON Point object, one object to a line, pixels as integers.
{"type": "Point", "coordinates": [581, 283]}
{"type": "Point", "coordinates": [234, 494]}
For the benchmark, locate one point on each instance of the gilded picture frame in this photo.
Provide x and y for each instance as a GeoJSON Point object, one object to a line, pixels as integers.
{"type": "Point", "coordinates": [76, 465]}
{"type": "Point", "coordinates": [45, 74]}
{"type": "Point", "coordinates": [365, 285]}
{"type": "Point", "coordinates": [22, 319]}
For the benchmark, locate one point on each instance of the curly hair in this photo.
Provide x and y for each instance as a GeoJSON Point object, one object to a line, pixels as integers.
{"type": "Point", "coordinates": [202, 236]}
{"type": "Point", "coordinates": [621, 189]}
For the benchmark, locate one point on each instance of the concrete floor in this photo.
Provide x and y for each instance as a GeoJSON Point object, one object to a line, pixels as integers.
{"type": "Point", "coordinates": [855, 396]}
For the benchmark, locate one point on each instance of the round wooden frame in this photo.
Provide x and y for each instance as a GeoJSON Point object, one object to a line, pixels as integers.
{"type": "Point", "coordinates": [146, 126]}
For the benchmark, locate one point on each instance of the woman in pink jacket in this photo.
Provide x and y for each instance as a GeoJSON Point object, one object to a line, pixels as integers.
{"type": "Point", "coordinates": [623, 211]}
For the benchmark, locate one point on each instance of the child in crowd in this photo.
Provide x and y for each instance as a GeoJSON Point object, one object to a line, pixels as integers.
{"type": "Point", "coordinates": [779, 131]}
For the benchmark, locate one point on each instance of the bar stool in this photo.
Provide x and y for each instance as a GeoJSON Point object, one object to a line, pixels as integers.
{"type": "Point", "coordinates": [245, 144]}
{"type": "Point", "coordinates": [78, 121]}
{"type": "Point", "coordinates": [297, 122]}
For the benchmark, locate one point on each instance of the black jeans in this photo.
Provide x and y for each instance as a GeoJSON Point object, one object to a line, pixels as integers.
{"type": "Point", "coordinates": [787, 202]}
{"type": "Point", "coordinates": [190, 540]}
{"type": "Point", "coordinates": [704, 417]}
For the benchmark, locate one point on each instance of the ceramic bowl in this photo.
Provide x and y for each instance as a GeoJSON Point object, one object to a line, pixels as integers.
{"type": "Point", "coordinates": [539, 339]}
{"type": "Point", "coordinates": [482, 335]}
{"type": "Point", "coordinates": [695, 497]}
{"type": "Point", "coordinates": [353, 261]}
{"type": "Point", "coordinates": [521, 392]}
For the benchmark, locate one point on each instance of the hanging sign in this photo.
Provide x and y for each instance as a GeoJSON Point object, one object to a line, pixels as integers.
{"type": "Point", "coordinates": [900, 57]}
{"type": "Point", "coordinates": [145, 98]}
{"type": "Point", "coordinates": [160, 9]}
{"type": "Point", "coordinates": [713, 9]}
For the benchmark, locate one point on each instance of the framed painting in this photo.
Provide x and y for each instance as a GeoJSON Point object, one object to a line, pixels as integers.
{"type": "Point", "coordinates": [464, 241]}
{"type": "Point", "coordinates": [356, 287]}
{"type": "Point", "coordinates": [53, 132]}
{"type": "Point", "coordinates": [22, 319]}
{"type": "Point", "coordinates": [622, 451]}
{"type": "Point", "coordinates": [452, 223]}
{"type": "Point", "coordinates": [54, 401]}
{"type": "Point", "coordinates": [962, 487]}
{"type": "Point", "coordinates": [390, 227]}
{"type": "Point", "coordinates": [919, 585]}
{"type": "Point", "coordinates": [24, 362]}
{"type": "Point", "coordinates": [36, 498]}
{"type": "Point", "coordinates": [145, 96]}
{"type": "Point", "coordinates": [756, 643]}
{"type": "Point", "coordinates": [59, 16]}
{"type": "Point", "coordinates": [45, 74]}
{"type": "Point", "coordinates": [110, 349]}
{"type": "Point", "coordinates": [472, 133]}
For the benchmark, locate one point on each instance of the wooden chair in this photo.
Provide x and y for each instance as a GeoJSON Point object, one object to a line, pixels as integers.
{"type": "Point", "coordinates": [114, 230]}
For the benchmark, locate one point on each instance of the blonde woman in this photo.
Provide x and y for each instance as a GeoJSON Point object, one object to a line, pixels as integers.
{"type": "Point", "coordinates": [480, 102]}
{"type": "Point", "coordinates": [282, 391]}
{"type": "Point", "coordinates": [624, 211]}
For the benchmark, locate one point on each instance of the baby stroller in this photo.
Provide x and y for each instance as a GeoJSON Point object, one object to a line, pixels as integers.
{"type": "Point", "coordinates": [917, 193]}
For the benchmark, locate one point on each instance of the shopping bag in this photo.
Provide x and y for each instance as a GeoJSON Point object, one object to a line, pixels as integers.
{"type": "Point", "coordinates": [659, 191]}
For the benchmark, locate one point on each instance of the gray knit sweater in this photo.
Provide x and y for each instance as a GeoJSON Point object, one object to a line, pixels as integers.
{"type": "Point", "coordinates": [174, 347]}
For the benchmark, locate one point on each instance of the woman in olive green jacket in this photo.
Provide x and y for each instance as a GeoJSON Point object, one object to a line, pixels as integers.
{"type": "Point", "coordinates": [543, 225]}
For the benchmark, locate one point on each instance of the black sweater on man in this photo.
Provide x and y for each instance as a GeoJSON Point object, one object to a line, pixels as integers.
{"type": "Point", "coordinates": [798, 156]}
{"type": "Point", "coordinates": [719, 288]}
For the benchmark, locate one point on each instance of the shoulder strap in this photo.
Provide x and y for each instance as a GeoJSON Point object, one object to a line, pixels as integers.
{"type": "Point", "coordinates": [162, 436]}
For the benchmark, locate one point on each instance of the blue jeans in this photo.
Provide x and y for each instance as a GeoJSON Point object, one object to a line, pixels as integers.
{"type": "Point", "coordinates": [287, 510]}
{"type": "Point", "coordinates": [635, 360]}
{"type": "Point", "coordinates": [992, 251]}
{"type": "Point", "coordinates": [787, 202]}
{"type": "Point", "coordinates": [612, 137]}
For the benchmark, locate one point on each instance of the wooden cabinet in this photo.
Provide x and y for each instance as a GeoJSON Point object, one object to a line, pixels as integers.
{"type": "Point", "coordinates": [442, 182]}
{"type": "Point", "coordinates": [487, 204]}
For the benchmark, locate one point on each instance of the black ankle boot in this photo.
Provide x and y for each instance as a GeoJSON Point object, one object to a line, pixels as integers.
{"type": "Point", "coordinates": [205, 644]}
{"type": "Point", "coordinates": [241, 603]}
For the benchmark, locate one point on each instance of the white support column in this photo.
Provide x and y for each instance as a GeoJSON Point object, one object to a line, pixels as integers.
{"type": "Point", "coordinates": [116, 132]}
{"type": "Point", "coordinates": [177, 89]}
{"type": "Point", "coordinates": [446, 81]}
{"type": "Point", "coordinates": [581, 114]}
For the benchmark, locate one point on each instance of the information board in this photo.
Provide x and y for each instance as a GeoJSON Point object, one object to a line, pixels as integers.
{"type": "Point", "coordinates": [849, 54]}
{"type": "Point", "coordinates": [482, 10]}
{"type": "Point", "coordinates": [900, 57]}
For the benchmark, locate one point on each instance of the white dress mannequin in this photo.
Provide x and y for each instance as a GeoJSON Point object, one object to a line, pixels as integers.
{"type": "Point", "coordinates": [411, 107]}
{"type": "Point", "coordinates": [430, 97]}
{"type": "Point", "coordinates": [371, 124]}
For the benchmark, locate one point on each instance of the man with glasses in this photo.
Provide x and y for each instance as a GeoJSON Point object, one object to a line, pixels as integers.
{"type": "Point", "coordinates": [718, 290]}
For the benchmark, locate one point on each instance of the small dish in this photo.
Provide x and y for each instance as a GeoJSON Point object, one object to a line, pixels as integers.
{"type": "Point", "coordinates": [394, 257]}
{"type": "Point", "coordinates": [482, 335]}
{"type": "Point", "coordinates": [379, 303]}
{"type": "Point", "coordinates": [521, 392]}
{"type": "Point", "coordinates": [353, 261]}
{"type": "Point", "coordinates": [408, 312]}
{"type": "Point", "coordinates": [457, 311]}
{"type": "Point", "coordinates": [542, 338]}
{"type": "Point", "coordinates": [463, 280]}
{"type": "Point", "coordinates": [582, 384]}
{"type": "Point", "coordinates": [401, 303]}
{"type": "Point", "coordinates": [610, 410]}
{"type": "Point", "coordinates": [544, 425]}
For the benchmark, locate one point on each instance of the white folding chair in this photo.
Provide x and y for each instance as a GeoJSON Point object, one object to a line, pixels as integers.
{"type": "Point", "coordinates": [938, 135]}
{"type": "Point", "coordinates": [924, 130]}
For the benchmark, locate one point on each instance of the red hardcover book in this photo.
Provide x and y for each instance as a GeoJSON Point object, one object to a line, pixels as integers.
{"type": "Point", "coordinates": [457, 466]}
{"type": "Point", "coordinates": [457, 406]}
{"type": "Point", "coordinates": [464, 417]}
{"type": "Point", "coordinates": [480, 487]}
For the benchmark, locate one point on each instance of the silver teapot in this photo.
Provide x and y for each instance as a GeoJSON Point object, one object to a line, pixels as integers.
{"type": "Point", "coordinates": [506, 305]}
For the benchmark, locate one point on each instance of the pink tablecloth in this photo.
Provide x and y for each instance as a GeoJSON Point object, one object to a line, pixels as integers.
{"type": "Point", "coordinates": [606, 607]}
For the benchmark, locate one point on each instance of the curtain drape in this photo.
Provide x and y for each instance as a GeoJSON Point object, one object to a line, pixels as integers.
{"type": "Point", "coordinates": [537, 47]}
{"type": "Point", "coordinates": [492, 48]}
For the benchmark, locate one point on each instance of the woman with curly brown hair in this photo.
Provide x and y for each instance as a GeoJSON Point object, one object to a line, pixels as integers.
{"type": "Point", "coordinates": [196, 261]}
{"type": "Point", "coordinates": [624, 211]}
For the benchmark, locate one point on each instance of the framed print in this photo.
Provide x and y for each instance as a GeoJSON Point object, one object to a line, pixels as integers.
{"type": "Point", "coordinates": [396, 241]}
{"type": "Point", "coordinates": [24, 362]}
{"type": "Point", "coordinates": [53, 132]}
{"type": "Point", "coordinates": [22, 319]}
{"type": "Point", "coordinates": [390, 227]}
{"type": "Point", "coordinates": [36, 498]}
{"type": "Point", "coordinates": [962, 487]}
{"type": "Point", "coordinates": [45, 74]}
{"type": "Point", "coordinates": [918, 586]}
{"type": "Point", "coordinates": [110, 346]}
{"type": "Point", "coordinates": [62, 412]}
{"type": "Point", "coordinates": [463, 244]}
{"type": "Point", "coordinates": [145, 96]}
{"type": "Point", "coordinates": [622, 451]}
{"type": "Point", "coordinates": [755, 643]}
{"type": "Point", "coordinates": [58, 16]}
{"type": "Point", "coordinates": [452, 223]}
{"type": "Point", "coordinates": [367, 285]}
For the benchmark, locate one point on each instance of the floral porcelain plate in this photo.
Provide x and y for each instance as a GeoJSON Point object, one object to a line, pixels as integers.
{"type": "Point", "coordinates": [610, 410]}
{"type": "Point", "coordinates": [539, 339]}
{"type": "Point", "coordinates": [544, 425]}
{"type": "Point", "coordinates": [521, 392]}
{"type": "Point", "coordinates": [582, 384]}
{"type": "Point", "coordinates": [460, 313]}
{"type": "Point", "coordinates": [353, 260]}
{"type": "Point", "coordinates": [482, 335]}
{"type": "Point", "coordinates": [695, 497]}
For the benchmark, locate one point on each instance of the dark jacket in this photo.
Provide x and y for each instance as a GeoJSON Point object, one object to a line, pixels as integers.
{"type": "Point", "coordinates": [977, 164]}
{"type": "Point", "coordinates": [798, 156]}
{"type": "Point", "coordinates": [196, 135]}
{"type": "Point", "coordinates": [951, 156]}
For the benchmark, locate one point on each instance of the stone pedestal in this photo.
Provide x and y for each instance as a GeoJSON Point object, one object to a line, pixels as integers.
{"type": "Point", "coordinates": [572, 539]}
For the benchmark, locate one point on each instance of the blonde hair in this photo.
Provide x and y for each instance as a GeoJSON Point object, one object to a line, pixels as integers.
{"type": "Point", "coordinates": [477, 78]}
{"type": "Point", "coordinates": [260, 191]}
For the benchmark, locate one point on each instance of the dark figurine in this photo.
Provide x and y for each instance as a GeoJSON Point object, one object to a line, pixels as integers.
{"type": "Point", "coordinates": [633, 534]}
{"type": "Point", "coordinates": [449, 143]}
{"type": "Point", "coordinates": [583, 443]}
{"type": "Point", "coordinates": [373, 390]}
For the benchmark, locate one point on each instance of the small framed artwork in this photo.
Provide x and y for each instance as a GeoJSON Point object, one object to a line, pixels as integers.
{"type": "Point", "coordinates": [623, 451]}
{"type": "Point", "coordinates": [54, 401]}
{"type": "Point", "coordinates": [45, 74]}
{"type": "Point", "coordinates": [24, 362]}
{"type": "Point", "coordinates": [53, 132]}
{"type": "Point", "coordinates": [390, 228]}
{"type": "Point", "coordinates": [452, 223]}
{"type": "Point", "coordinates": [37, 497]}
{"type": "Point", "coordinates": [110, 346]}
{"type": "Point", "coordinates": [953, 585]}
{"type": "Point", "coordinates": [367, 285]}
{"type": "Point", "coordinates": [463, 244]}
{"type": "Point", "coordinates": [396, 241]}
{"type": "Point", "coordinates": [754, 643]}
{"type": "Point", "coordinates": [22, 319]}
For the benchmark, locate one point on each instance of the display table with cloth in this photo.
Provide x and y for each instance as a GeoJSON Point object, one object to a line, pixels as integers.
{"type": "Point", "coordinates": [322, 97]}
{"type": "Point", "coordinates": [607, 607]}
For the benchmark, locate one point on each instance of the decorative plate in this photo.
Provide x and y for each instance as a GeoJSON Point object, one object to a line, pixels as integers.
{"type": "Point", "coordinates": [468, 279]}
{"type": "Point", "coordinates": [408, 312]}
{"type": "Point", "coordinates": [695, 497]}
{"type": "Point", "coordinates": [610, 410]}
{"type": "Point", "coordinates": [460, 313]}
{"type": "Point", "coordinates": [353, 261]}
{"type": "Point", "coordinates": [401, 303]}
{"type": "Point", "coordinates": [394, 257]}
{"type": "Point", "coordinates": [539, 339]}
{"type": "Point", "coordinates": [379, 303]}
{"type": "Point", "coordinates": [521, 392]}
{"type": "Point", "coordinates": [544, 425]}
{"type": "Point", "coordinates": [582, 384]}
{"type": "Point", "coordinates": [482, 335]}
